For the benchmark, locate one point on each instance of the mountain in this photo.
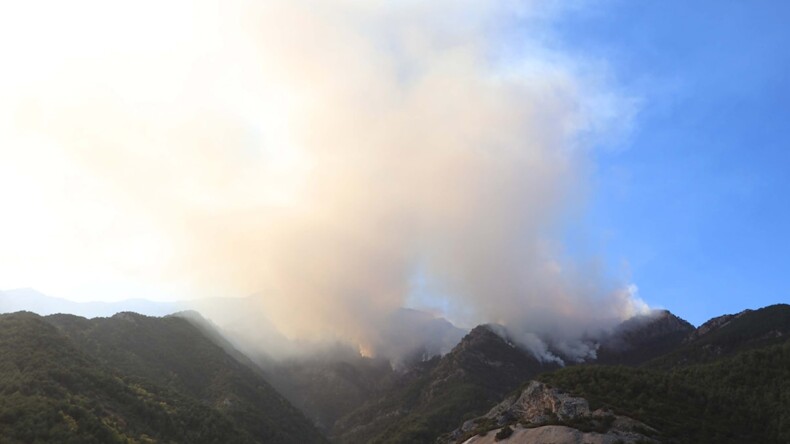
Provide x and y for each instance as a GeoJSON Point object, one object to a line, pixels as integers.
{"type": "Point", "coordinates": [52, 391]}
{"type": "Point", "coordinates": [727, 382]}
{"type": "Point", "coordinates": [236, 320]}
{"type": "Point", "coordinates": [27, 299]}
{"type": "Point", "coordinates": [333, 381]}
{"type": "Point", "coordinates": [738, 398]}
{"type": "Point", "coordinates": [730, 334]}
{"type": "Point", "coordinates": [330, 385]}
{"type": "Point", "coordinates": [408, 334]}
{"type": "Point", "coordinates": [404, 335]}
{"type": "Point", "coordinates": [133, 377]}
{"type": "Point", "coordinates": [433, 396]}
{"type": "Point", "coordinates": [643, 338]}
{"type": "Point", "coordinates": [658, 379]}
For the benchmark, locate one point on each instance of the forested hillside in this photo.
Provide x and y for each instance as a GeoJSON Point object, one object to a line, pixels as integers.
{"type": "Point", "coordinates": [135, 379]}
{"type": "Point", "coordinates": [729, 381]}
{"type": "Point", "coordinates": [132, 378]}
{"type": "Point", "coordinates": [436, 394]}
{"type": "Point", "coordinates": [738, 399]}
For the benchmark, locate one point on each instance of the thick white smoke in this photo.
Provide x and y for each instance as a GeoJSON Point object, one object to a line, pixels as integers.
{"type": "Point", "coordinates": [317, 153]}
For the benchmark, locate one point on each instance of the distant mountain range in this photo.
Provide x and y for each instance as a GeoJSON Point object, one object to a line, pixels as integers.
{"type": "Point", "coordinates": [405, 334]}
{"type": "Point", "coordinates": [28, 299]}
{"type": "Point", "coordinates": [135, 378]}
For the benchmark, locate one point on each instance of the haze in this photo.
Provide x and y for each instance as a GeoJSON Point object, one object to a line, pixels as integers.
{"type": "Point", "coordinates": [337, 161]}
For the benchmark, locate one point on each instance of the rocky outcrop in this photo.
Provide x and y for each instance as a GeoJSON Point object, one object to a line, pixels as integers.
{"type": "Point", "coordinates": [538, 403]}
{"type": "Point", "coordinates": [551, 434]}
{"type": "Point", "coordinates": [540, 413]}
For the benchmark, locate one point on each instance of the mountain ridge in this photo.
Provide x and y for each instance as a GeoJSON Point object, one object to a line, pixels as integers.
{"type": "Point", "coordinates": [135, 377]}
{"type": "Point", "coordinates": [443, 390]}
{"type": "Point", "coordinates": [180, 367]}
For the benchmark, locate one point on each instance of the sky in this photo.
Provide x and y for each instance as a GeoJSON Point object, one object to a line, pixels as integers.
{"type": "Point", "coordinates": [694, 202]}
{"type": "Point", "coordinates": [656, 158]}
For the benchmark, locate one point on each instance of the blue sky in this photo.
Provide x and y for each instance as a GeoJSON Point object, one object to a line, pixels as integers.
{"type": "Point", "coordinates": [694, 204]}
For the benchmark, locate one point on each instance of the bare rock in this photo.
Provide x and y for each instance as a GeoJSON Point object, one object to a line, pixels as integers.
{"type": "Point", "coordinates": [542, 414]}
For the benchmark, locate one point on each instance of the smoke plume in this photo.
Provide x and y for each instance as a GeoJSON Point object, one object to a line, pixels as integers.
{"type": "Point", "coordinates": [320, 154]}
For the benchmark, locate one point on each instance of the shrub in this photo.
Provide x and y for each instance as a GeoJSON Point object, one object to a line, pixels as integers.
{"type": "Point", "coordinates": [503, 434]}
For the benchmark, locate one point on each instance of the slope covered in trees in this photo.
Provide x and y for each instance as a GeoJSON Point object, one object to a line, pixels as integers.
{"type": "Point", "coordinates": [435, 395]}
{"type": "Point", "coordinates": [741, 398]}
{"type": "Point", "coordinates": [131, 378]}
{"type": "Point", "coordinates": [727, 382]}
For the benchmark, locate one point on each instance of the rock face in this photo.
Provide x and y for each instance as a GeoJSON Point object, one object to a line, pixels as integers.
{"type": "Point", "coordinates": [550, 434]}
{"type": "Point", "coordinates": [540, 414]}
{"type": "Point", "coordinates": [539, 403]}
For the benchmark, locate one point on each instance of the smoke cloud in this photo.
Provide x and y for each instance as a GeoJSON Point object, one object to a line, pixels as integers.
{"type": "Point", "coordinates": [319, 155]}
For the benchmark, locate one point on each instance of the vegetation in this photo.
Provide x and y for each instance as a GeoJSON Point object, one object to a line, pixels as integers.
{"type": "Point", "coordinates": [52, 392]}
{"type": "Point", "coordinates": [136, 379]}
{"type": "Point", "coordinates": [741, 398]}
{"type": "Point", "coordinates": [153, 380]}
{"type": "Point", "coordinates": [504, 433]}
{"type": "Point", "coordinates": [442, 392]}
{"type": "Point", "coordinates": [644, 338]}
{"type": "Point", "coordinates": [332, 384]}
{"type": "Point", "coordinates": [171, 352]}
{"type": "Point", "coordinates": [749, 330]}
{"type": "Point", "coordinates": [727, 382]}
